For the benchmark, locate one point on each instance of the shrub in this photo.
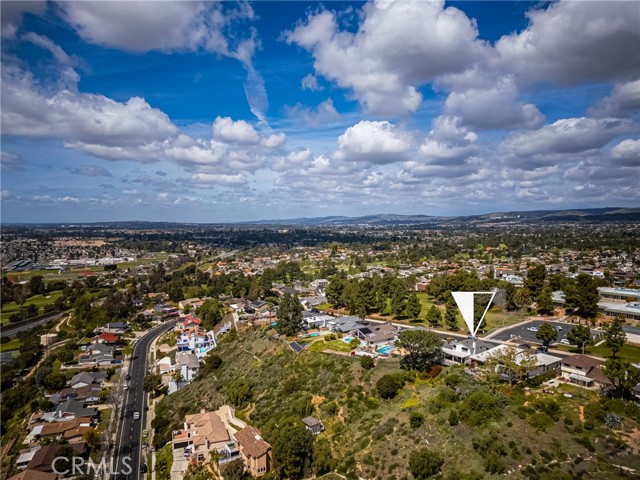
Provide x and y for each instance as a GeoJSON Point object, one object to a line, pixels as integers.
{"type": "Point", "coordinates": [389, 385]}
{"type": "Point", "coordinates": [367, 362]}
{"type": "Point", "coordinates": [416, 420]}
{"type": "Point", "coordinates": [453, 418]}
{"type": "Point", "coordinates": [425, 463]}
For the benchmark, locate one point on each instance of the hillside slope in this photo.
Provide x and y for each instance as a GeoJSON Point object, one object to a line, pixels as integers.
{"type": "Point", "coordinates": [474, 428]}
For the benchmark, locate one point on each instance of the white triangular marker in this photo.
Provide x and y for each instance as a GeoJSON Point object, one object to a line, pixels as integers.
{"type": "Point", "coordinates": [464, 300]}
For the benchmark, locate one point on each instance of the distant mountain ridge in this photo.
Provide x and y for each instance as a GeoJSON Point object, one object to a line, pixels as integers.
{"type": "Point", "coordinates": [596, 215]}
{"type": "Point", "coordinates": [591, 215]}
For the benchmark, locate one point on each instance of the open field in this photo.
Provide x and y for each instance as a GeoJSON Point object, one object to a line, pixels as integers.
{"type": "Point", "coordinates": [13, 344]}
{"type": "Point", "coordinates": [38, 300]}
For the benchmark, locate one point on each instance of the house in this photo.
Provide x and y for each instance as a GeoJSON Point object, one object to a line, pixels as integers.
{"type": "Point", "coordinates": [97, 354]}
{"type": "Point", "coordinates": [373, 335]}
{"type": "Point", "coordinates": [57, 430]}
{"type": "Point", "coordinates": [106, 338]}
{"type": "Point", "coordinates": [311, 302]}
{"type": "Point", "coordinates": [544, 362]}
{"type": "Point", "coordinates": [70, 410]}
{"type": "Point", "coordinates": [24, 458]}
{"type": "Point", "coordinates": [88, 378]}
{"type": "Point", "coordinates": [34, 475]}
{"type": "Point", "coordinates": [194, 339]}
{"type": "Point", "coordinates": [345, 324]}
{"type": "Point", "coordinates": [202, 433]}
{"type": "Point", "coordinates": [194, 303]}
{"type": "Point", "coordinates": [43, 458]}
{"type": "Point", "coordinates": [188, 364]}
{"type": "Point", "coordinates": [114, 327]}
{"type": "Point", "coordinates": [583, 370]}
{"type": "Point", "coordinates": [255, 452]}
{"type": "Point", "coordinates": [85, 393]}
{"type": "Point", "coordinates": [459, 350]}
{"type": "Point", "coordinates": [312, 424]}
{"type": "Point", "coordinates": [315, 320]}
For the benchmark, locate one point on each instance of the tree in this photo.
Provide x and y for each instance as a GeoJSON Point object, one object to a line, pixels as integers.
{"type": "Point", "coordinates": [510, 301]}
{"type": "Point", "coordinates": [509, 364]}
{"type": "Point", "coordinates": [546, 334]}
{"type": "Point", "coordinates": [479, 306]}
{"type": "Point", "coordinates": [289, 315]}
{"type": "Point", "coordinates": [92, 438]}
{"type": "Point", "coordinates": [389, 385]}
{"type": "Point", "coordinates": [354, 343]}
{"type": "Point", "coordinates": [545, 302]}
{"type": "Point", "coordinates": [535, 278]}
{"type": "Point", "coordinates": [152, 383]}
{"type": "Point", "coordinates": [425, 463]}
{"type": "Point", "coordinates": [334, 291]}
{"type": "Point", "coordinates": [211, 313]}
{"type": "Point", "coordinates": [55, 381]}
{"type": "Point", "coordinates": [580, 336]}
{"type": "Point", "coordinates": [451, 315]}
{"type": "Point", "coordinates": [623, 376]}
{"type": "Point", "coordinates": [434, 317]}
{"type": "Point", "coordinates": [235, 471]}
{"type": "Point", "coordinates": [366, 362]}
{"type": "Point", "coordinates": [522, 297]}
{"type": "Point", "coordinates": [398, 301]}
{"type": "Point", "coordinates": [582, 295]}
{"type": "Point", "coordinates": [292, 452]}
{"type": "Point", "coordinates": [614, 336]}
{"type": "Point", "coordinates": [413, 307]}
{"type": "Point", "coordinates": [36, 285]}
{"type": "Point", "coordinates": [323, 461]}
{"type": "Point", "coordinates": [423, 348]}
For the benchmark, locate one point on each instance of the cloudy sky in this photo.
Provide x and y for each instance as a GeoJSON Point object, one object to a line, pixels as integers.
{"type": "Point", "coordinates": [205, 112]}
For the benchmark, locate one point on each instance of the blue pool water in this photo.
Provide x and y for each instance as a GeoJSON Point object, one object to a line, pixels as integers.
{"type": "Point", "coordinates": [385, 350]}
{"type": "Point", "coordinates": [315, 334]}
{"type": "Point", "coordinates": [347, 339]}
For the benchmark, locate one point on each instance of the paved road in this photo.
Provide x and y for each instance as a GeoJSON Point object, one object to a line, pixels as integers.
{"type": "Point", "coordinates": [521, 333]}
{"type": "Point", "coordinates": [11, 330]}
{"type": "Point", "coordinates": [128, 438]}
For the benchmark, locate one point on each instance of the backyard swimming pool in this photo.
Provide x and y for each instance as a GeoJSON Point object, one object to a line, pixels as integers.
{"type": "Point", "coordinates": [315, 334]}
{"type": "Point", "coordinates": [386, 350]}
{"type": "Point", "coordinates": [347, 339]}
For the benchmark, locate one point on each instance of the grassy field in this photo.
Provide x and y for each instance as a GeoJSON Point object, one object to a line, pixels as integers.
{"type": "Point", "coordinates": [336, 345]}
{"type": "Point", "coordinates": [628, 352]}
{"type": "Point", "coordinates": [12, 344]}
{"type": "Point", "coordinates": [38, 300]}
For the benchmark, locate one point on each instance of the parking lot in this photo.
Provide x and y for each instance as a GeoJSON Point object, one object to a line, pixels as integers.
{"type": "Point", "coordinates": [520, 332]}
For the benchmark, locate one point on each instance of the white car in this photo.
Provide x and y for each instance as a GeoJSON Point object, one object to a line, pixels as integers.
{"type": "Point", "coordinates": [564, 341]}
{"type": "Point", "coordinates": [125, 387]}
{"type": "Point", "coordinates": [558, 328]}
{"type": "Point", "coordinates": [136, 415]}
{"type": "Point", "coordinates": [533, 329]}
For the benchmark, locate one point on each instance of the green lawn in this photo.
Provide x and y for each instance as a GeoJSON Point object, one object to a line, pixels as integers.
{"type": "Point", "coordinates": [13, 344]}
{"type": "Point", "coordinates": [628, 352]}
{"type": "Point", "coordinates": [38, 300]}
{"type": "Point", "coordinates": [426, 301]}
{"type": "Point", "coordinates": [336, 345]}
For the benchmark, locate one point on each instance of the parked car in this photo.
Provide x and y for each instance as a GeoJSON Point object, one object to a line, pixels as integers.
{"type": "Point", "coordinates": [558, 328]}
{"type": "Point", "coordinates": [128, 377]}
{"type": "Point", "coordinates": [564, 341]}
{"type": "Point", "coordinates": [525, 346]}
{"type": "Point", "coordinates": [125, 387]}
{"type": "Point", "coordinates": [533, 329]}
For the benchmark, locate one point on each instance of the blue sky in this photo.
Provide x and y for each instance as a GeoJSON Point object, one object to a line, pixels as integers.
{"type": "Point", "coordinates": [209, 112]}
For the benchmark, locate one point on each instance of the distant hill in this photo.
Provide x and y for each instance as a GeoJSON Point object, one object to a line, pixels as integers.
{"type": "Point", "coordinates": [591, 215]}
